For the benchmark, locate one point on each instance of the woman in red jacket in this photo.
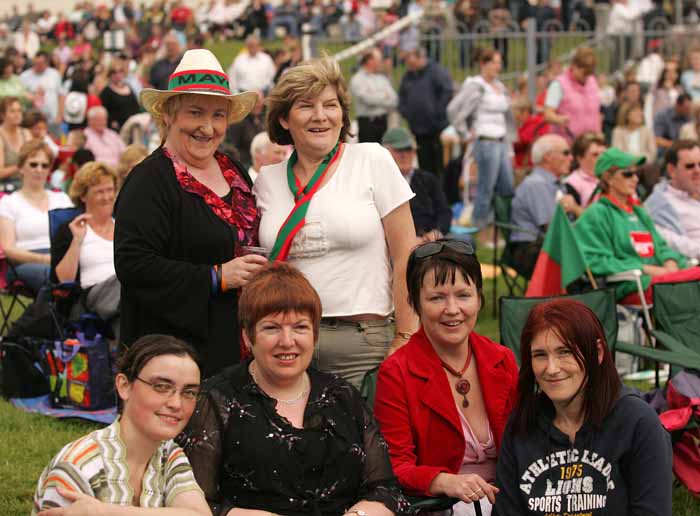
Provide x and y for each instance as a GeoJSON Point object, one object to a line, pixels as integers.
{"type": "Point", "coordinates": [444, 398]}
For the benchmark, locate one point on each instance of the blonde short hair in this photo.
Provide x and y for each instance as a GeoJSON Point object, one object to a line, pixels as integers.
{"type": "Point", "coordinates": [89, 175]}
{"type": "Point", "coordinates": [132, 156]}
{"type": "Point", "coordinates": [306, 80]}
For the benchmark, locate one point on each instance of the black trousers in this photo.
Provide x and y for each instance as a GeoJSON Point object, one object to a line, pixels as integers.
{"type": "Point", "coordinates": [430, 152]}
{"type": "Point", "coordinates": [371, 128]}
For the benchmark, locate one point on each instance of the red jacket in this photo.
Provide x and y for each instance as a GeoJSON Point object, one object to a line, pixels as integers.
{"type": "Point", "coordinates": [417, 413]}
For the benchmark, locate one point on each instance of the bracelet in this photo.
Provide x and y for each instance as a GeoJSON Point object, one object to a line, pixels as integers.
{"type": "Point", "coordinates": [406, 335]}
{"type": "Point", "coordinates": [219, 279]}
{"type": "Point", "coordinates": [214, 281]}
{"type": "Point", "coordinates": [224, 286]}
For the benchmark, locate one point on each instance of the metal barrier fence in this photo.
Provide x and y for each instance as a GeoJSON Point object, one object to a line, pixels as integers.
{"type": "Point", "coordinates": [526, 52]}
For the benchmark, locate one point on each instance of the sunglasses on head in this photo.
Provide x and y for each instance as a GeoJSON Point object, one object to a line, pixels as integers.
{"type": "Point", "coordinates": [36, 164]}
{"type": "Point", "coordinates": [432, 248]}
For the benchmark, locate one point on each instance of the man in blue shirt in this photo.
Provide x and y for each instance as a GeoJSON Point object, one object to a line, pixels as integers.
{"type": "Point", "coordinates": [536, 198]}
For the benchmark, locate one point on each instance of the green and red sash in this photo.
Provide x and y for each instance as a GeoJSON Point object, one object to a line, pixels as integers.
{"type": "Point", "coordinates": [302, 198]}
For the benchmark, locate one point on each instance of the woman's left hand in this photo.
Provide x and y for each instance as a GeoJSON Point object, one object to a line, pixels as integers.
{"type": "Point", "coordinates": [81, 505]}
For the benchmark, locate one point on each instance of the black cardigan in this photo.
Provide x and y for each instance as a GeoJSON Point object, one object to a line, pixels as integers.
{"type": "Point", "coordinates": [165, 243]}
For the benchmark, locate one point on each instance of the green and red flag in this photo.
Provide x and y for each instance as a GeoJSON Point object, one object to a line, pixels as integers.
{"type": "Point", "coordinates": [560, 261]}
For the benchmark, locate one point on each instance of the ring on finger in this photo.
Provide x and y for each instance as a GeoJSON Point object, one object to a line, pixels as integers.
{"type": "Point", "coordinates": [470, 495]}
{"type": "Point", "coordinates": [479, 490]}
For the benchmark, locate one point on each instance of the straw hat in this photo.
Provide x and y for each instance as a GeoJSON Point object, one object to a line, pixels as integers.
{"type": "Point", "coordinates": [199, 72]}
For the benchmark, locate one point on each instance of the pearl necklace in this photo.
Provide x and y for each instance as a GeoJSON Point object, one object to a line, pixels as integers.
{"type": "Point", "coordinates": [304, 390]}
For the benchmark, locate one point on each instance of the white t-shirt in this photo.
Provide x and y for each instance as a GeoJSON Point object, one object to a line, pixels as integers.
{"type": "Point", "coordinates": [490, 116]}
{"type": "Point", "coordinates": [96, 259]}
{"type": "Point", "coordinates": [31, 224]}
{"type": "Point", "coordinates": [342, 248]}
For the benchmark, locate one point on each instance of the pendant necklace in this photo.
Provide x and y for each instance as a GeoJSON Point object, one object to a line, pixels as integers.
{"type": "Point", "coordinates": [462, 385]}
{"type": "Point", "coordinates": [292, 401]}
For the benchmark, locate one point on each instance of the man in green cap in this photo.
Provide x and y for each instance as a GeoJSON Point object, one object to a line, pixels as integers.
{"type": "Point", "coordinates": [617, 234]}
{"type": "Point", "coordinates": [429, 206]}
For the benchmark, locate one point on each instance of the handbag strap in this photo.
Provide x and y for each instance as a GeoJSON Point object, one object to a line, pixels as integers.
{"type": "Point", "coordinates": [67, 355]}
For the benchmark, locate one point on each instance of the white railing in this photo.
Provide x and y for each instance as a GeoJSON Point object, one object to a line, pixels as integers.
{"type": "Point", "coordinates": [375, 38]}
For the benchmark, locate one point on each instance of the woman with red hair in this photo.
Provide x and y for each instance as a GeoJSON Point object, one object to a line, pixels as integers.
{"type": "Point", "coordinates": [578, 442]}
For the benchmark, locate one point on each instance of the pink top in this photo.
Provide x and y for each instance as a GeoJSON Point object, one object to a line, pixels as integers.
{"type": "Point", "coordinates": [584, 184]}
{"type": "Point", "coordinates": [479, 459]}
{"type": "Point", "coordinates": [106, 146]}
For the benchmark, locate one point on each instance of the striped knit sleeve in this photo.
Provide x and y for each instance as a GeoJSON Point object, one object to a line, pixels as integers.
{"type": "Point", "coordinates": [72, 469]}
{"type": "Point", "coordinates": [178, 474]}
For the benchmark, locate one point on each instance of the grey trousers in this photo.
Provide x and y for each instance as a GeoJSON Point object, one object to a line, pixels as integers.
{"type": "Point", "coordinates": [351, 349]}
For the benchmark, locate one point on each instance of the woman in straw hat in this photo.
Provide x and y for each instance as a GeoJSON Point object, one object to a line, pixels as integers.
{"type": "Point", "coordinates": [184, 215]}
{"type": "Point", "coordinates": [338, 212]}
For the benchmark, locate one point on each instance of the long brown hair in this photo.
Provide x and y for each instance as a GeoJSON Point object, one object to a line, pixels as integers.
{"type": "Point", "coordinates": [580, 330]}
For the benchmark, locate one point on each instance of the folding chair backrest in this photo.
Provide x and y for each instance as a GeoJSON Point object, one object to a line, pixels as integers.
{"type": "Point", "coordinates": [501, 213]}
{"type": "Point", "coordinates": [677, 312]}
{"type": "Point", "coordinates": [515, 310]}
{"type": "Point", "coordinates": [60, 216]}
{"type": "Point", "coordinates": [368, 389]}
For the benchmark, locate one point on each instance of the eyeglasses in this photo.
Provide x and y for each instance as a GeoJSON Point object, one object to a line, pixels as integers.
{"type": "Point", "coordinates": [432, 248]}
{"type": "Point", "coordinates": [36, 164]}
{"type": "Point", "coordinates": [167, 390]}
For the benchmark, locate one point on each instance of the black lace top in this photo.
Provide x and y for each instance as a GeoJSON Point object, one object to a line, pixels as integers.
{"type": "Point", "coordinates": [246, 455]}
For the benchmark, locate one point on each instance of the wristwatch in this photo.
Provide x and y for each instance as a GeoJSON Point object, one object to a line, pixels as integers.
{"type": "Point", "coordinates": [359, 512]}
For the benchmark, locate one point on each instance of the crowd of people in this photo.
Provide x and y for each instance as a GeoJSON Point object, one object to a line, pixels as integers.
{"type": "Point", "coordinates": [259, 254]}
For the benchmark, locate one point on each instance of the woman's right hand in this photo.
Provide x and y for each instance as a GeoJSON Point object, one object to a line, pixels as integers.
{"type": "Point", "coordinates": [654, 270]}
{"type": "Point", "coordinates": [78, 227]}
{"type": "Point", "coordinates": [468, 488]}
{"type": "Point", "coordinates": [239, 271]}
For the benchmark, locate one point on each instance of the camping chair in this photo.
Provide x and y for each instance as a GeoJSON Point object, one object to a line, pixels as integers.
{"type": "Point", "coordinates": [368, 391]}
{"type": "Point", "coordinates": [65, 295]}
{"type": "Point", "coordinates": [19, 294]}
{"type": "Point", "coordinates": [677, 316]}
{"type": "Point", "coordinates": [514, 313]}
{"type": "Point", "coordinates": [16, 290]}
{"type": "Point", "coordinates": [516, 285]}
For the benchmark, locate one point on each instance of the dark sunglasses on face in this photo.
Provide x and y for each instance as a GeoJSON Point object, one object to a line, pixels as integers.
{"type": "Point", "coordinates": [36, 164]}
{"type": "Point", "coordinates": [432, 248]}
{"type": "Point", "coordinates": [629, 173]}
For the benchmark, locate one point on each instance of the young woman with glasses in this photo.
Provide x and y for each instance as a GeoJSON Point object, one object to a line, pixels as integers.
{"type": "Point", "coordinates": [133, 465]}
{"type": "Point", "coordinates": [444, 398]}
{"type": "Point", "coordinates": [617, 234]}
{"type": "Point", "coordinates": [24, 221]}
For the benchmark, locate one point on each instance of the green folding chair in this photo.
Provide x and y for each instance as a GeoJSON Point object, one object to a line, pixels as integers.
{"type": "Point", "coordinates": [677, 316]}
{"type": "Point", "coordinates": [516, 285]}
{"type": "Point", "coordinates": [514, 313]}
{"type": "Point", "coordinates": [515, 310]}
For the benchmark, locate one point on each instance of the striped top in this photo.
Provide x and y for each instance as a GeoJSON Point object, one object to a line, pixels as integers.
{"type": "Point", "coordinates": [96, 465]}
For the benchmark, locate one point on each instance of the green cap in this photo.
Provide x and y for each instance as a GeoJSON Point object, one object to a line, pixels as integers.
{"type": "Point", "coordinates": [398, 138]}
{"type": "Point", "coordinates": [614, 157]}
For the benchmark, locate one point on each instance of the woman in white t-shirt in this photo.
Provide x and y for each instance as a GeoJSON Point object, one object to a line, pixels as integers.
{"type": "Point", "coordinates": [483, 106]}
{"type": "Point", "coordinates": [83, 249]}
{"type": "Point", "coordinates": [24, 220]}
{"type": "Point", "coordinates": [353, 236]}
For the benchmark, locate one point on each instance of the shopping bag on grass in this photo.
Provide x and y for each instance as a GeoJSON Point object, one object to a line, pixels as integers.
{"type": "Point", "coordinates": [80, 373]}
